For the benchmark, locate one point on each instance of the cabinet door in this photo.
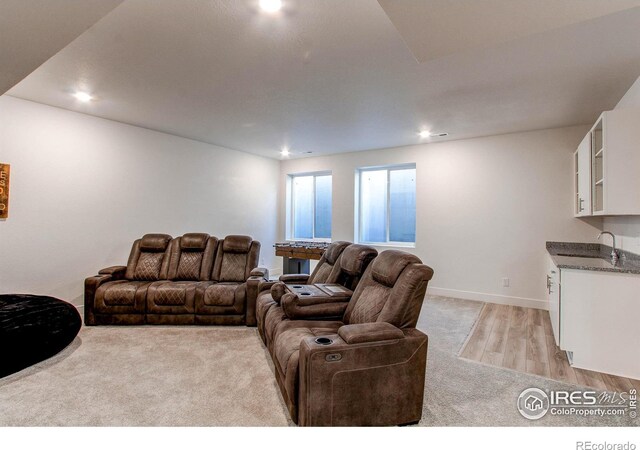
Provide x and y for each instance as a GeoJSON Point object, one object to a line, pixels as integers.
{"type": "Point", "coordinates": [553, 289]}
{"type": "Point", "coordinates": [583, 205]}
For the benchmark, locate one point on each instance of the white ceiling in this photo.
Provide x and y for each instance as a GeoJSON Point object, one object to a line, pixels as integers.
{"type": "Point", "coordinates": [32, 31]}
{"type": "Point", "coordinates": [436, 28]}
{"type": "Point", "coordinates": [329, 76]}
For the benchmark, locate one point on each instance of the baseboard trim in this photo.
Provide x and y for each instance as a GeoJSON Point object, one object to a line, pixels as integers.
{"type": "Point", "coordinates": [490, 298]}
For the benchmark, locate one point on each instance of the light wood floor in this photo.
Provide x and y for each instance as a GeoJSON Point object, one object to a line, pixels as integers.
{"type": "Point", "coordinates": [522, 339]}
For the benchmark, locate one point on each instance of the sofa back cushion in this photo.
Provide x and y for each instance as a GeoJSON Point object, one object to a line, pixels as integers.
{"type": "Point", "coordinates": [191, 257]}
{"type": "Point", "coordinates": [328, 268]}
{"type": "Point", "coordinates": [392, 290]}
{"type": "Point", "coordinates": [353, 262]}
{"type": "Point", "coordinates": [148, 260]}
{"type": "Point", "coordinates": [236, 257]}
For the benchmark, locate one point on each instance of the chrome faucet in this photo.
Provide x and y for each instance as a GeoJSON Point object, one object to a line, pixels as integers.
{"type": "Point", "coordinates": [614, 252]}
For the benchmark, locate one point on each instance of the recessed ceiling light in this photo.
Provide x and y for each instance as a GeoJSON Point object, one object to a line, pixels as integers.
{"type": "Point", "coordinates": [83, 96]}
{"type": "Point", "coordinates": [271, 5]}
{"type": "Point", "coordinates": [426, 134]}
{"type": "Point", "coordinates": [285, 151]}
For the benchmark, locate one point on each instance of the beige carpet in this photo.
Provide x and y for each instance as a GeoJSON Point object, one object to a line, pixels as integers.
{"type": "Point", "coordinates": [222, 376]}
{"type": "Point", "coordinates": [144, 376]}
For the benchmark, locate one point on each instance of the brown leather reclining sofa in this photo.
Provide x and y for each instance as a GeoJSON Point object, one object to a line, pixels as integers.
{"type": "Point", "coordinates": [338, 362]}
{"type": "Point", "coordinates": [356, 362]}
{"type": "Point", "coordinates": [192, 279]}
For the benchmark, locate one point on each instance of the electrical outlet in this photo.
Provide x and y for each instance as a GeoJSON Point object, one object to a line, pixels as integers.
{"type": "Point", "coordinates": [505, 282]}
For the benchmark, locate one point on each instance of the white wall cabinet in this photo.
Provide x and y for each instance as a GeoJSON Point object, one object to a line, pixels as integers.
{"type": "Point", "coordinates": [607, 166]}
{"type": "Point", "coordinates": [594, 316]}
{"type": "Point", "coordinates": [582, 164]}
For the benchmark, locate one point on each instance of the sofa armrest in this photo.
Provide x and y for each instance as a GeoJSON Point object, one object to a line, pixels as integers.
{"type": "Point", "coordinates": [314, 307]}
{"type": "Point", "coordinates": [376, 383]}
{"type": "Point", "coordinates": [369, 332]}
{"type": "Point", "coordinates": [254, 284]}
{"type": "Point", "coordinates": [261, 272]}
{"type": "Point", "coordinates": [91, 285]}
{"type": "Point", "coordinates": [278, 289]}
{"type": "Point", "coordinates": [292, 278]}
{"type": "Point", "coordinates": [117, 272]}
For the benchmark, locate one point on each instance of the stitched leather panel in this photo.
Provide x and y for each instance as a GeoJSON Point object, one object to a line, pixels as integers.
{"type": "Point", "coordinates": [120, 294]}
{"type": "Point", "coordinates": [189, 265]}
{"type": "Point", "coordinates": [171, 294]}
{"type": "Point", "coordinates": [370, 303]}
{"type": "Point", "coordinates": [322, 274]}
{"type": "Point", "coordinates": [220, 295]}
{"type": "Point", "coordinates": [233, 267]}
{"type": "Point", "coordinates": [148, 267]}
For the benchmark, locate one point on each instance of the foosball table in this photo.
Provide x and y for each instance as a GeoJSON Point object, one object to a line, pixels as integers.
{"type": "Point", "coordinates": [297, 255]}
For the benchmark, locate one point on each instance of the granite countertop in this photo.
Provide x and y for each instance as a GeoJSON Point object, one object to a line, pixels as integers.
{"type": "Point", "coordinates": [575, 255]}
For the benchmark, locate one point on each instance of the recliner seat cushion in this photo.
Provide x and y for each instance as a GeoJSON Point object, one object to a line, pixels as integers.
{"type": "Point", "coordinates": [121, 297]}
{"type": "Point", "coordinates": [221, 298]}
{"type": "Point", "coordinates": [172, 297]}
{"type": "Point", "coordinates": [122, 294]}
{"type": "Point", "coordinates": [172, 293]}
{"type": "Point", "coordinates": [220, 294]}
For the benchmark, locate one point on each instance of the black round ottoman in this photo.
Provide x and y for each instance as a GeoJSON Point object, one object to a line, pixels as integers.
{"type": "Point", "coordinates": [34, 328]}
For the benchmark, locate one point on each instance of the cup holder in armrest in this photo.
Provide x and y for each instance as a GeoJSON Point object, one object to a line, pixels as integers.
{"type": "Point", "coordinates": [324, 341]}
{"type": "Point", "coordinates": [297, 287]}
{"type": "Point", "coordinates": [305, 293]}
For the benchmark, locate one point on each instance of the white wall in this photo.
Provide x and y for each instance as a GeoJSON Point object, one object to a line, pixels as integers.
{"type": "Point", "coordinates": [627, 228]}
{"type": "Point", "coordinates": [632, 98]}
{"type": "Point", "coordinates": [486, 207]}
{"type": "Point", "coordinates": [83, 189]}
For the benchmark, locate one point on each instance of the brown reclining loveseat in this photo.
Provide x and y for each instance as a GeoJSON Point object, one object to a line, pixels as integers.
{"type": "Point", "coordinates": [367, 368]}
{"type": "Point", "coordinates": [195, 278]}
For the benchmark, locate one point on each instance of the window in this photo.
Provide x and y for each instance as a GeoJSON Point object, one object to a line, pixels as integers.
{"type": "Point", "coordinates": [387, 205]}
{"type": "Point", "coordinates": [310, 216]}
